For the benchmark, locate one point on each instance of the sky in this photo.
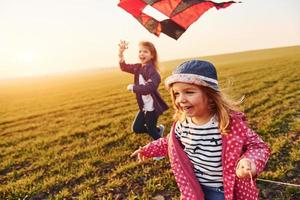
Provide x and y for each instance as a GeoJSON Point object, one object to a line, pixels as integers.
{"type": "Point", "coordinates": [57, 36]}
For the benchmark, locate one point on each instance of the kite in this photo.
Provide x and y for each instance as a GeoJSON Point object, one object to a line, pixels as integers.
{"type": "Point", "coordinates": [181, 14]}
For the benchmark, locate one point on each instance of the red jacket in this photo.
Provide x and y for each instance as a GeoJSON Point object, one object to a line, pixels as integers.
{"type": "Point", "coordinates": [239, 143]}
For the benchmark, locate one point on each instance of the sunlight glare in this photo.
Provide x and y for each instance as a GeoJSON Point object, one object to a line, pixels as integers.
{"type": "Point", "coordinates": [25, 57]}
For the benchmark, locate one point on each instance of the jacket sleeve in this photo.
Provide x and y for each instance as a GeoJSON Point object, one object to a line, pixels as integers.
{"type": "Point", "coordinates": [130, 68]}
{"type": "Point", "coordinates": [255, 148]}
{"type": "Point", "coordinates": [151, 84]}
{"type": "Point", "coordinates": [157, 148]}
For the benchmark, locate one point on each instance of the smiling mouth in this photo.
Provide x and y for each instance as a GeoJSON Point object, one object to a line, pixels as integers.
{"type": "Point", "coordinates": [186, 108]}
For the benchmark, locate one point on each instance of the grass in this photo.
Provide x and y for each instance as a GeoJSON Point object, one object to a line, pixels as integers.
{"type": "Point", "coordinates": [69, 137]}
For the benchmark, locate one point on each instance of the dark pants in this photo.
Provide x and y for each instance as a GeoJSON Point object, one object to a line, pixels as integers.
{"type": "Point", "coordinates": [212, 193]}
{"type": "Point", "coordinates": [145, 122]}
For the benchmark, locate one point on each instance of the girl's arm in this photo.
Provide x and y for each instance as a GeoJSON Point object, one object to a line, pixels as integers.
{"type": "Point", "coordinates": [130, 68]}
{"type": "Point", "coordinates": [157, 148]}
{"type": "Point", "coordinates": [257, 152]}
{"type": "Point", "coordinates": [151, 84]}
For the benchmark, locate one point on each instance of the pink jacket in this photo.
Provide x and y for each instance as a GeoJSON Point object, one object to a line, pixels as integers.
{"type": "Point", "coordinates": [239, 143]}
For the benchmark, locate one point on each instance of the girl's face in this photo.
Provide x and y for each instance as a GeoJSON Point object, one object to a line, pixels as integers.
{"type": "Point", "coordinates": [144, 55]}
{"type": "Point", "coordinates": [191, 100]}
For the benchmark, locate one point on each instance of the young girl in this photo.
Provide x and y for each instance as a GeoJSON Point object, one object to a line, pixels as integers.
{"type": "Point", "coordinates": [146, 82]}
{"type": "Point", "coordinates": [213, 153]}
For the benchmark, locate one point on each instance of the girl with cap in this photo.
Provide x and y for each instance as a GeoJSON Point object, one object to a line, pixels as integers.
{"type": "Point", "coordinates": [146, 82]}
{"type": "Point", "coordinates": [214, 155]}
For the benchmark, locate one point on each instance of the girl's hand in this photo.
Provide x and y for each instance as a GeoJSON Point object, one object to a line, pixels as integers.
{"type": "Point", "coordinates": [130, 87]}
{"type": "Point", "coordinates": [123, 45]}
{"type": "Point", "coordinates": [246, 168]}
{"type": "Point", "coordinates": [141, 158]}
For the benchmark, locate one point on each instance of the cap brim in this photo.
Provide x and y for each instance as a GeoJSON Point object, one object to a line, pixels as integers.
{"type": "Point", "coordinates": [191, 79]}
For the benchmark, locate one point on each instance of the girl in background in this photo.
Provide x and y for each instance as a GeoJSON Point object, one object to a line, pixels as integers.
{"type": "Point", "coordinates": [145, 87]}
{"type": "Point", "coordinates": [214, 155]}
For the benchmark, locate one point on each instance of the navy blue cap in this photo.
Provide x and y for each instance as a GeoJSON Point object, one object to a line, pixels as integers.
{"type": "Point", "coordinates": [196, 72]}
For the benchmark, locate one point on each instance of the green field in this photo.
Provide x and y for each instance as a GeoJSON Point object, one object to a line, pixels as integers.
{"type": "Point", "coordinates": [69, 136]}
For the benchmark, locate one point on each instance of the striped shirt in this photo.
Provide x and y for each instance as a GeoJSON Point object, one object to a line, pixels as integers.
{"type": "Point", "coordinates": [203, 146]}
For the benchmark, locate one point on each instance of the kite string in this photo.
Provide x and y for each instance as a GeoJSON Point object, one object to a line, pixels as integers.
{"type": "Point", "coordinates": [252, 183]}
{"type": "Point", "coordinates": [278, 182]}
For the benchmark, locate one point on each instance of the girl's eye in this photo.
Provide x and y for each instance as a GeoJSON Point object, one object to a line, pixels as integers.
{"type": "Point", "coordinates": [190, 92]}
{"type": "Point", "coordinates": [176, 94]}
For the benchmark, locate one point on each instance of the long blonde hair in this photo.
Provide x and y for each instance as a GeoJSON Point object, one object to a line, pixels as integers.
{"type": "Point", "coordinates": [220, 105]}
{"type": "Point", "coordinates": [152, 49]}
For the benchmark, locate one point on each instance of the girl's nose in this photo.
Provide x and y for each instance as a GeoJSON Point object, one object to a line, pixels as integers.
{"type": "Point", "coordinates": [181, 98]}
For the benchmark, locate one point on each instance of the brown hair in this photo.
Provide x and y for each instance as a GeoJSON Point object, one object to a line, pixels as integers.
{"type": "Point", "coordinates": [220, 105]}
{"type": "Point", "coordinates": [153, 51]}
